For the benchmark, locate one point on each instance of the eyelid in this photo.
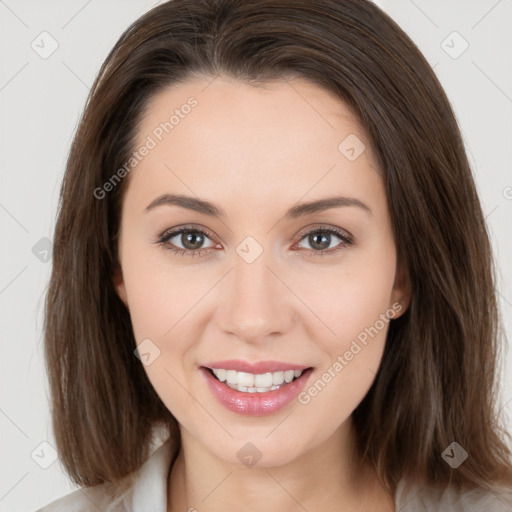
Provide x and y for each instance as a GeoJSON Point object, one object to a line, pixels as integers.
{"type": "Point", "coordinates": [342, 233]}
{"type": "Point", "coordinates": [165, 236]}
{"type": "Point", "coordinates": [346, 238]}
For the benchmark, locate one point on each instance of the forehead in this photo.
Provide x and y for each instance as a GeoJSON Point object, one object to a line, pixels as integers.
{"type": "Point", "coordinates": [281, 139]}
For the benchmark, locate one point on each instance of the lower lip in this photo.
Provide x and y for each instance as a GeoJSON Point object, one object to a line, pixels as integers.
{"type": "Point", "coordinates": [255, 404]}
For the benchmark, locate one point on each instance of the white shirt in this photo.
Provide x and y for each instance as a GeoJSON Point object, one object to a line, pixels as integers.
{"type": "Point", "coordinates": [149, 494]}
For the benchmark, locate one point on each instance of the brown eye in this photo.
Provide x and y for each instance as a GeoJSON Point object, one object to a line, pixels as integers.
{"type": "Point", "coordinates": [185, 241]}
{"type": "Point", "coordinates": [192, 240]}
{"type": "Point", "coordinates": [320, 240]}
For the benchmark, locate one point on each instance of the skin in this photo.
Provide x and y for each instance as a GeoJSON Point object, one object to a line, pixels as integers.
{"type": "Point", "coordinates": [255, 152]}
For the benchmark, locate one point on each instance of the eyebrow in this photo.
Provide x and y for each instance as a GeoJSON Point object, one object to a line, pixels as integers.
{"type": "Point", "coordinates": [300, 210]}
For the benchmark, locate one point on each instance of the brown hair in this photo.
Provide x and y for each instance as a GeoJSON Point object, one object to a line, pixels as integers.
{"type": "Point", "coordinates": [437, 381]}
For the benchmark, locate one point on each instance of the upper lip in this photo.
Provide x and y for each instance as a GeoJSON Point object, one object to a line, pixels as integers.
{"type": "Point", "coordinates": [255, 367]}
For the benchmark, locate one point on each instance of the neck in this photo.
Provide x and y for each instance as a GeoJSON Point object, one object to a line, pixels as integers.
{"type": "Point", "coordinates": [326, 477]}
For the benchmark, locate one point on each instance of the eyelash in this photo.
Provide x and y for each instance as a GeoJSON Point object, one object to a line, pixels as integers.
{"type": "Point", "coordinates": [346, 240]}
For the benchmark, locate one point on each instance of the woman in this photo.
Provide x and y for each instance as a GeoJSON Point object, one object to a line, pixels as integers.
{"type": "Point", "coordinates": [270, 246]}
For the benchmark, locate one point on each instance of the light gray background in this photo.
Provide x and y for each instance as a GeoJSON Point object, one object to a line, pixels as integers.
{"type": "Point", "coordinates": [40, 103]}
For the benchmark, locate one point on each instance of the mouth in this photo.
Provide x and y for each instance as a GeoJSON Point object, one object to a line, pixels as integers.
{"type": "Point", "coordinates": [255, 394]}
{"type": "Point", "coordinates": [246, 382]}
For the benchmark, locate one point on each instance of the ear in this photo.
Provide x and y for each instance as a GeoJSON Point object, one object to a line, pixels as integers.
{"type": "Point", "coordinates": [402, 291]}
{"type": "Point", "coordinates": [119, 285]}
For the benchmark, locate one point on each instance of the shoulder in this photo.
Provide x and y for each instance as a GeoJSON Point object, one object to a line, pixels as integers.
{"type": "Point", "coordinates": [430, 498]}
{"type": "Point", "coordinates": [82, 500]}
{"type": "Point", "coordinates": [146, 490]}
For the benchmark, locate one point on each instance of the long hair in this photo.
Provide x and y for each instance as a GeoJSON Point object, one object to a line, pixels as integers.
{"type": "Point", "coordinates": [438, 377]}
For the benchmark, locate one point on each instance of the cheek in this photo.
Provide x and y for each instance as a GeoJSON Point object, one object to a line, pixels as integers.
{"type": "Point", "coordinates": [162, 302]}
{"type": "Point", "coordinates": [165, 307]}
{"type": "Point", "coordinates": [357, 308]}
{"type": "Point", "coordinates": [351, 297]}
{"type": "Point", "coordinates": [160, 294]}
{"type": "Point", "coordinates": [354, 304]}
{"type": "Point", "coordinates": [359, 315]}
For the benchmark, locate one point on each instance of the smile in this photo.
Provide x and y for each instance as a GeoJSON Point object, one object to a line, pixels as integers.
{"type": "Point", "coordinates": [255, 389]}
{"type": "Point", "coordinates": [255, 383]}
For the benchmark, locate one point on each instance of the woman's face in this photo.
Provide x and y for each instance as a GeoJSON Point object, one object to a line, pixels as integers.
{"type": "Point", "coordinates": [252, 287]}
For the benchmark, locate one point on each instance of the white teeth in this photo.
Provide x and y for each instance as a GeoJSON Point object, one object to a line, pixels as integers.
{"type": "Point", "coordinates": [288, 375]}
{"type": "Point", "coordinates": [231, 376]}
{"type": "Point", "coordinates": [251, 383]}
{"type": "Point", "coordinates": [221, 375]}
{"type": "Point", "coordinates": [252, 389]}
{"type": "Point", "coordinates": [263, 380]}
{"type": "Point", "coordinates": [245, 379]}
{"type": "Point", "coordinates": [278, 378]}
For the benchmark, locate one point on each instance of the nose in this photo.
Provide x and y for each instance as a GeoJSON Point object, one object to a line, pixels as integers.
{"type": "Point", "coordinates": [254, 302]}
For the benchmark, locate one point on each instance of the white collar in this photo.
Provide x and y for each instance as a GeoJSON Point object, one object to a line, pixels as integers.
{"type": "Point", "coordinates": [149, 491]}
